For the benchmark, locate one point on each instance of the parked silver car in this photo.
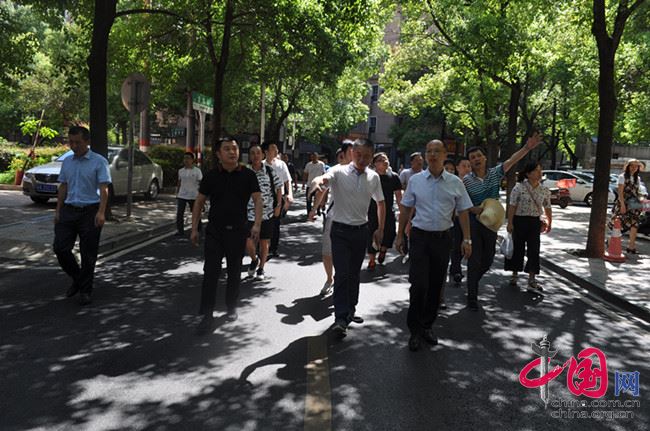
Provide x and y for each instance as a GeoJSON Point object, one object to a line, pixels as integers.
{"type": "Point", "coordinates": [583, 189]}
{"type": "Point", "coordinates": [41, 183]}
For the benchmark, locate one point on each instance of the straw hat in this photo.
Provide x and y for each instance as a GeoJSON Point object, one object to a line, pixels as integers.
{"type": "Point", "coordinates": [493, 214]}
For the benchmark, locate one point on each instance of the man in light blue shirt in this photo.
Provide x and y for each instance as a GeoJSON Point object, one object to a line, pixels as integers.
{"type": "Point", "coordinates": [80, 211]}
{"type": "Point", "coordinates": [434, 194]}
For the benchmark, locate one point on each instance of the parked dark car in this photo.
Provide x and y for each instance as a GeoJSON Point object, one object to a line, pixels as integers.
{"type": "Point", "coordinates": [560, 196]}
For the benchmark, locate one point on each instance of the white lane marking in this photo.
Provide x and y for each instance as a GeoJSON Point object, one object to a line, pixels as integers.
{"type": "Point", "coordinates": [134, 248]}
{"type": "Point", "coordinates": [318, 401]}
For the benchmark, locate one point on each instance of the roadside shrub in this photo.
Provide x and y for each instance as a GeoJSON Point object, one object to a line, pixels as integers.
{"type": "Point", "coordinates": [170, 158]}
{"type": "Point", "coordinates": [13, 158]}
{"type": "Point", "coordinates": [7, 177]}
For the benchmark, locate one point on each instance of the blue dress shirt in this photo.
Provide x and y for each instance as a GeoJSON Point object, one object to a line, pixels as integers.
{"type": "Point", "coordinates": [435, 199]}
{"type": "Point", "coordinates": [83, 175]}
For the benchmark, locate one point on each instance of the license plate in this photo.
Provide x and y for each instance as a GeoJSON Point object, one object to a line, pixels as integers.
{"type": "Point", "coordinates": [46, 188]}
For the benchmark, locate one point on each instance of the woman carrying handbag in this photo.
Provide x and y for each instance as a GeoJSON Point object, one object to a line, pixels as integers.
{"type": "Point", "coordinates": [525, 222]}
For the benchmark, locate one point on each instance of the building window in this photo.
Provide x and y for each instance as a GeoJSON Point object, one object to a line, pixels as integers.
{"type": "Point", "coordinates": [375, 93]}
{"type": "Point", "coordinates": [372, 125]}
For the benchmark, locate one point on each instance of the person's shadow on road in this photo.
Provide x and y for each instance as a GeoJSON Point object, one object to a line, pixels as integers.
{"type": "Point", "coordinates": [317, 307]}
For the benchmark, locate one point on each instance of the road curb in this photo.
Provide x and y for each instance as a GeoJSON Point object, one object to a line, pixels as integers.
{"type": "Point", "coordinates": [125, 241]}
{"type": "Point", "coordinates": [10, 187]}
{"type": "Point", "coordinates": [597, 290]}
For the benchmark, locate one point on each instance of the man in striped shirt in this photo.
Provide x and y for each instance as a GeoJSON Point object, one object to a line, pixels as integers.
{"type": "Point", "coordinates": [483, 183]}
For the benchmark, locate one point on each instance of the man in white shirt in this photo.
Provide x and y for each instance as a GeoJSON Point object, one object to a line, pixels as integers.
{"type": "Point", "coordinates": [352, 186]}
{"type": "Point", "coordinates": [313, 169]}
{"type": "Point", "coordinates": [187, 189]}
{"type": "Point", "coordinates": [282, 170]}
{"type": "Point", "coordinates": [417, 163]}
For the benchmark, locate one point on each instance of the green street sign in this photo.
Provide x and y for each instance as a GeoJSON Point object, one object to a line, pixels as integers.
{"type": "Point", "coordinates": [203, 103]}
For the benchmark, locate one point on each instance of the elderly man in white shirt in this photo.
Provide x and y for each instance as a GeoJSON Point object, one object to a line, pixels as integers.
{"type": "Point", "coordinates": [352, 186]}
{"type": "Point", "coordinates": [434, 194]}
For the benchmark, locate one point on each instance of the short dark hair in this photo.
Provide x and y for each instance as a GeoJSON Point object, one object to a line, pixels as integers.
{"type": "Point", "coordinates": [460, 159]}
{"type": "Point", "coordinates": [267, 144]}
{"type": "Point", "coordinates": [528, 168]}
{"type": "Point", "coordinates": [378, 155]}
{"type": "Point", "coordinates": [80, 130]}
{"type": "Point", "coordinates": [414, 155]}
{"type": "Point", "coordinates": [449, 162]}
{"type": "Point", "coordinates": [189, 154]}
{"type": "Point", "coordinates": [475, 149]}
{"type": "Point", "coordinates": [253, 145]}
{"type": "Point", "coordinates": [346, 145]}
{"type": "Point", "coordinates": [358, 143]}
{"type": "Point", "coordinates": [217, 146]}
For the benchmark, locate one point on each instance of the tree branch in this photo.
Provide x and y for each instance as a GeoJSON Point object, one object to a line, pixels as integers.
{"type": "Point", "coordinates": [154, 12]}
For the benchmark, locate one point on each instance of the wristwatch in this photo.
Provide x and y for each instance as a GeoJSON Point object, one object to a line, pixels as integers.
{"type": "Point", "coordinates": [467, 241]}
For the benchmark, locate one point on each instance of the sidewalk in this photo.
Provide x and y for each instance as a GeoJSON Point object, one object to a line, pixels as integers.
{"type": "Point", "coordinates": [623, 284]}
{"type": "Point", "coordinates": [31, 241]}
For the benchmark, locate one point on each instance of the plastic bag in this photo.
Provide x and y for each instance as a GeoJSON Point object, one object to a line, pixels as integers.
{"type": "Point", "coordinates": [507, 247]}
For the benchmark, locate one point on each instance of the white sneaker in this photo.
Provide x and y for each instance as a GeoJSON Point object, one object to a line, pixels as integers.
{"type": "Point", "coordinates": [327, 289]}
{"type": "Point", "coordinates": [260, 274]}
{"type": "Point", "coordinates": [252, 267]}
{"type": "Point", "coordinates": [405, 258]}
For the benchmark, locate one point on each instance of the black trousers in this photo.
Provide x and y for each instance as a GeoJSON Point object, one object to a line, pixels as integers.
{"type": "Point", "coordinates": [526, 238]}
{"type": "Point", "coordinates": [180, 213]}
{"type": "Point", "coordinates": [348, 252]}
{"type": "Point", "coordinates": [456, 248]}
{"type": "Point", "coordinates": [429, 257]}
{"type": "Point", "coordinates": [483, 248]}
{"type": "Point", "coordinates": [80, 222]}
{"type": "Point", "coordinates": [219, 243]}
{"type": "Point", "coordinates": [309, 198]}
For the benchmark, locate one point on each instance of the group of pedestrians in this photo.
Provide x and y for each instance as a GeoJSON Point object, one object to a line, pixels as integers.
{"type": "Point", "coordinates": [442, 215]}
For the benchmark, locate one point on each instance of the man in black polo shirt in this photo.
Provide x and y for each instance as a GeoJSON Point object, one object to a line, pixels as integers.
{"type": "Point", "coordinates": [229, 187]}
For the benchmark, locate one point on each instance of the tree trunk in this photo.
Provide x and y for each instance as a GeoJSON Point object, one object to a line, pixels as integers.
{"type": "Point", "coordinates": [189, 122]}
{"type": "Point", "coordinates": [220, 72]}
{"type": "Point", "coordinates": [554, 137]}
{"type": "Point", "coordinates": [511, 141]}
{"type": "Point", "coordinates": [607, 113]}
{"type": "Point", "coordinates": [105, 11]}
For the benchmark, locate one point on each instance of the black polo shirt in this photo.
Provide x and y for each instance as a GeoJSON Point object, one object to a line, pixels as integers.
{"type": "Point", "coordinates": [229, 193]}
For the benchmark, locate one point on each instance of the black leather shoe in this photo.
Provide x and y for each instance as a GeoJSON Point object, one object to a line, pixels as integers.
{"type": "Point", "coordinates": [339, 329]}
{"type": "Point", "coordinates": [430, 337]}
{"type": "Point", "coordinates": [357, 319]}
{"type": "Point", "coordinates": [72, 290]}
{"type": "Point", "coordinates": [472, 304]}
{"type": "Point", "coordinates": [205, 325]}
{"type": "Point", "coordinates": [231, 316]}
{"type": "Point", "coordinates": [84, 299]}
{"type": "Point", "coordinates": [414, 343]}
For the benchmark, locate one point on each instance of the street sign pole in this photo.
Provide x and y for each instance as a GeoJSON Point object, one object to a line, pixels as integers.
{"type": "Point", "coordinates": [199, 151]}
{"type": "Point", "coordinates": [135, 97]}
{"type": "Point", "coordinates": [204, 105]}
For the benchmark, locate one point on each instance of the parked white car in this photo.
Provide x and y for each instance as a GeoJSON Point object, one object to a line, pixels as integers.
{"type": "Point", "coordinates": [41, 183]}
{"type": "Point", "coordinates": [583, 190]}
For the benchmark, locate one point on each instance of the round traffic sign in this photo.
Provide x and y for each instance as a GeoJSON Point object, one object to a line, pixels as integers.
{"type": "Point", "coordinates": [135, 93]}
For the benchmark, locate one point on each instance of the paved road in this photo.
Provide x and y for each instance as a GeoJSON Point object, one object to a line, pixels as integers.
{"type": "Point", "coordinates": [131, 361]}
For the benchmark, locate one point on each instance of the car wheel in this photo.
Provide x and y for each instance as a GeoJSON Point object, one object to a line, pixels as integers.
{"type": "Point", "coordinates": [564, 203]}
{"type": "Point", "coordinates": [39, 199]}
{"type": "Point", "coordinates": [153, 191]}
{"type": "Point", "coordinates": [589, 199]}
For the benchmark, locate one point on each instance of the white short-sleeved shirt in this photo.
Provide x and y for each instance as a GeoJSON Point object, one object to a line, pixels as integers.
{"type": "Point", "coordinates": [352, 192]}
{"type": "Point", "coordinates": [281, 169]}
{"type": "Point", "coordinates": [314, 170]}
{"type": "Point", "coordinates": [528, 200]}
{"type": "Point", "coordinates": [435, 200]}
{"type": "Point", "coordinates": [189, 179]}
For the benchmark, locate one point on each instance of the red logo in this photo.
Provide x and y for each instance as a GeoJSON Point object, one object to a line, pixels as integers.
{"type": "Point", "coordinates": [587, 375]}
